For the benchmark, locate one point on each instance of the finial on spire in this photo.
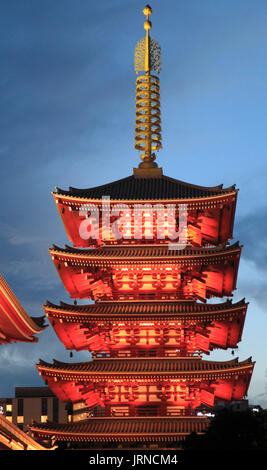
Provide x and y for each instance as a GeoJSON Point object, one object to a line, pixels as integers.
{"type": "Point", "coordinates": [147, 51]}
{"type": "Point", "coordinates": [148, 122]}
{"type": "Point", "coordinates": [147, 26]}
{"type": "Point", "coordinates": [147, 12]}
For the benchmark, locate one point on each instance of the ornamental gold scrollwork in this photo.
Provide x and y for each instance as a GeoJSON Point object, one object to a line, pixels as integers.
{"type": "Point", "coordinates": [154, 55]}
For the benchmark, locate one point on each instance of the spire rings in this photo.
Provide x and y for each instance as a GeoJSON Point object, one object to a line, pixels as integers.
{"type": "Point", "coordinates": [148, 121]}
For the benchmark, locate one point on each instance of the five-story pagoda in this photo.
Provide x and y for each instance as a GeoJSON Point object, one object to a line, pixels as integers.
{"type": "Point", "coordinates": [148, 250]}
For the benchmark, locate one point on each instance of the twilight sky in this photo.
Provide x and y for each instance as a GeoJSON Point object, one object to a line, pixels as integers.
{"type": "Point", "coordinates": [67, 104]}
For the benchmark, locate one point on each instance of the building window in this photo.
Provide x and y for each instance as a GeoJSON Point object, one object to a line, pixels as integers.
{"type": "Point", "coordinates": [20, 407]}
{"type": "Point", "coordinates": [43, 418]}
{"type": "Point", "coordinates": [8, 409]}
{"type": "Point", "coordinates": [55, 410]}
{"type": "Point", "coordinates": [44, 407]}
{"type": "Point", "coordinates": [69, 408]}
{"type": "Point", "coordinates": [20, 419]}
{"type": "Point", "coordinates": [79, 406]}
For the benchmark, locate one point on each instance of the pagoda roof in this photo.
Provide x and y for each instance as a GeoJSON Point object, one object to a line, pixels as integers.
{"type": "Point", "coordinates": [144, 252]}
{"type": "Point", "coordinates": [132, 310]}
{"type": "Point", "coordinates": [158, 188]}
{"type": "Point", "coordinates": [122, 429]}
{"type": "Point", "coordinates": [15, 323]}
{"type": "Point", "coordinates": [145, 366]}
{"type": "Point", "coordinates": [13, 438]}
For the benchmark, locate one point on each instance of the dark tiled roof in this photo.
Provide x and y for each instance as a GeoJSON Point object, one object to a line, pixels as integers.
{"type": "Point", "coordinates": [147, 251]}
{"type": "Point", "coordinates": [39, 321]}
{"type": "Point", "coordinates": [103, 428]}
{"type": "Point", "coordinates": [145, 365]}
{"type": "Point", "coordinates": [143, 307]}
{"type": "Point", "coordinates": [131, 188]}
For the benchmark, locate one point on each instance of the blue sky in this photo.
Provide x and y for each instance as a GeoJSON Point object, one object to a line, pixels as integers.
{"type": "Point", "coordinates": [67, 104]}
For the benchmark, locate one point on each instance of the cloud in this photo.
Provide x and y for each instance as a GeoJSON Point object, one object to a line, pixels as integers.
{"type": "Point", "coordinates": [251, 229]}
{"type": "Point", "coordinates": [14, 236]}
{"type": "Point", "coordinates": [254, 289]}
{"type": "Point", "coordinates": [259, 399]}
{"type": "Point", "coordinates": [17, 361]}
{"type": "Point", "coordinates": [50, 96]}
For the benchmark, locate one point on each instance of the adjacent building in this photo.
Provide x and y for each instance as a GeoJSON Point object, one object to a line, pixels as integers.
{"type": "Point", "coordinates": [34, 403]}
{"type": "Point", "coordinates": [15, 324]}
{"type": "Point", "coordinates": [13, 438]}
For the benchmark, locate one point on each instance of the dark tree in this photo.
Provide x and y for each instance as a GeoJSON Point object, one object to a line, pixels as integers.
{"type": "Point", "coordinates": [231, 430]}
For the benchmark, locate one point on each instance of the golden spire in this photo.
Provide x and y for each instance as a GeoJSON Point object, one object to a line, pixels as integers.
{"type": "Point", "coordinates": [148, 122]}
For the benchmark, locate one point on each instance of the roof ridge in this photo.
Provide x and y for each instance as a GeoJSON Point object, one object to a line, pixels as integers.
{"type": "Point", "coordinates": [214, 188]}
{"type": "Point", "coordinates": [178, 360]}
{"type": "Point", "coordinates": [147, 302]}
{"type": "Point", "coordinates": [132, 188]}
{"type": "Point", "coordinates": [112, 183]}
{"type": "Point", "coordinates": [128, 248]}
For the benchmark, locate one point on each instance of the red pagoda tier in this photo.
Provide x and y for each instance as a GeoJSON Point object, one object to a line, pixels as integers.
{"type": "Point", "coordinates": [15, 323]}
{"type": "Point", "coordinates": [149, 250]}
{"type": "Point", "coordinates": [165, 386]}
{"type": "Point", "coordinates": [147, 271]}
{"type": "Point", "coordinates": [210, 211]}
{"type": "Point", "coordinates": [146, 328]}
